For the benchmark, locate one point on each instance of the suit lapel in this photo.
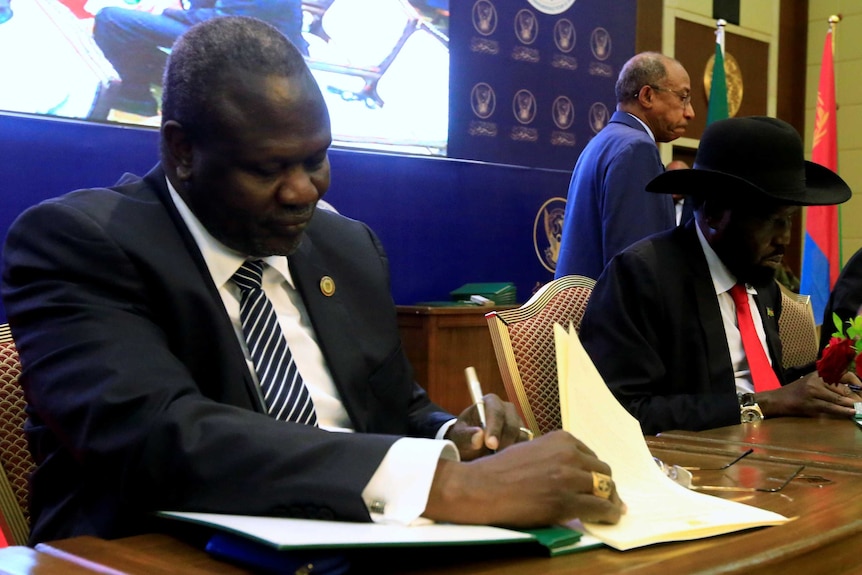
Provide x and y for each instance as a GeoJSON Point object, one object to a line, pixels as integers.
{"type": "Point", "coordinates": [333, 326]}
{"type": "Point", "coordinates": [627, 120]}
{"type": "Point", "coordinates": [718, 355]}
{"type": "Point", "coordinates": [155, 180]}
{"type": "Point", "coordinates": [769, 308]}
{"type": "Point", "coordinates": [687, 211]}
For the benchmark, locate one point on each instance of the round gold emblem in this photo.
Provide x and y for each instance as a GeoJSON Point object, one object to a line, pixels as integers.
{"type": "Point", "coordinates": [733, 77]}
{"type": "Point", "coordinates": [327, 286]}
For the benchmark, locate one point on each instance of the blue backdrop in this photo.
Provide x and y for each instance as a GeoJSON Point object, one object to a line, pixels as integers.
{"type": "Point", "coordinates": [443, 222]}
{"type": "Point", "coordinates": [531, 88]}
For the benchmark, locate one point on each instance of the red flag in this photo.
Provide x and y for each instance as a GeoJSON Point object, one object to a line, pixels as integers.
{"type": "Point", "coordinates": [821, 258]}
{"type": "Point", "coordinates": [825, 148]}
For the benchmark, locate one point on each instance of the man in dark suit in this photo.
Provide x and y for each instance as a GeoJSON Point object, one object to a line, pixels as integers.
{"type": "Point", "coordinates": [845, 299]}
{"type": "Point", "coordinates": [661, 324]}
{"type": "Point", "coordinates": [608, 208]}
{"type": "Point", "coordinates": [136, 43]}
{"type": "Point", "coordinates": [130, 322]}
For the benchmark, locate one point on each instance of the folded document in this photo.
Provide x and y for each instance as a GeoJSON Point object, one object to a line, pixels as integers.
{"type": "Point", "coordinates": [659, 509]}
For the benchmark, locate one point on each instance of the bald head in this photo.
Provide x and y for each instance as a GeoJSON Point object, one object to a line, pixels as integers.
{"type": "Point", "coordinates": [644, 69]}
{"type": "Point", "coordinates": [657, 90]}
{"type": "Point", "coordinates": [677, 165]}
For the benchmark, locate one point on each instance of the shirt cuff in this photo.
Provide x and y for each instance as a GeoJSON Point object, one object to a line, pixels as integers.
{"type": "Point", "coordinates": [441, 433]}
{"type": "Point", "coordinates": [398, 490]}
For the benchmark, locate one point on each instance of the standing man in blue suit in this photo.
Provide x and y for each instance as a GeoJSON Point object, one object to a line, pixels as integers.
{"type": "Point", "coordinates": [608, 208]}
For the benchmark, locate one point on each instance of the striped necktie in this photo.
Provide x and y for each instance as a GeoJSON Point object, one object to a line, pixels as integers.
{"type": "Point", "coordinates": [285, 394]}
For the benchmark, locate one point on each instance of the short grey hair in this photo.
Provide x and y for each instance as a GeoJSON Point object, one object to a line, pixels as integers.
{"type": "Point", "coordinates": [646, 68]}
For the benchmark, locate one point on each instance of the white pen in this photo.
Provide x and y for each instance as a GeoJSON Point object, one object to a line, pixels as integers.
{"type": "Point", "coordinates": [476, 392]}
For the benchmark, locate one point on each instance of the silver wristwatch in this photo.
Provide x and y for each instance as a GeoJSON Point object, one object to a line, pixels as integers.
{"type": "Point", "coordinates": [749, 411]}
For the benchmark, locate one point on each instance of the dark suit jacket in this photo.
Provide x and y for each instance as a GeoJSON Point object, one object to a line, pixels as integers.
{"type": "Point", "coordinates": [608, 208]}
{"type": "Point", "coordinates": [845, 299]}
{"type": "Point", "coordinates": [653, 328]}
{"type": "Point", "coordinates": [138, 392]}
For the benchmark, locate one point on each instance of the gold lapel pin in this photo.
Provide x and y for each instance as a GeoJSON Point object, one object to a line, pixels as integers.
{"type": "Point", "coordinates": [327, 286]}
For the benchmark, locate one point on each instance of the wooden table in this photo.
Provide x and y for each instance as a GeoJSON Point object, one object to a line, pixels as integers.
{"type": "Point", "coordinates": [154, 554]}
{"type": "Point", "coordinates": [821, 540]}
{"type": "Point", "coordinates": [826, 498]}
{"type": "Point", "coordinates": [821, 442]}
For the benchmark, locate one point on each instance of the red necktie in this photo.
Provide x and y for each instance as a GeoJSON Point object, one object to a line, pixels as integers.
{"type": "Point", "coordinates": [762, 375]}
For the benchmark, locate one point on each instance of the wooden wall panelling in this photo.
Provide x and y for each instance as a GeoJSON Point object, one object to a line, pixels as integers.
{"type": "Point", "coordinates": [441, 342]}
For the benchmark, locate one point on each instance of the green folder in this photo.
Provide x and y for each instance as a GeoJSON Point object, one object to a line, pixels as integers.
{"type": "Point", "coordinates": [560, 540]}
{"type": "Point", "coordinates": [501, 293]}
{"type": "Point", "coordinates": [308, 534]}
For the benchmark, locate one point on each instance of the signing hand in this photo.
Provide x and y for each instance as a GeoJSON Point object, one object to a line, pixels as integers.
{"type": "Point", "coordinates": [542, 482]}
{"type": "Point", "coordinates": [503, 428]}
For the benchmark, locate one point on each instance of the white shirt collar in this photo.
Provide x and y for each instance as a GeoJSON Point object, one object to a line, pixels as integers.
{"type": "Point", "coordinates": [722, 279]}
{"type": "Point", "coordinates": [221, 260]}
{"type": "Point", "coordinates": [651, 135]}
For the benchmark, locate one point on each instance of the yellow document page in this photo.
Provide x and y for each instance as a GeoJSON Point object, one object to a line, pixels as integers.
{"type": "Point", "coordinates": [659, 509]}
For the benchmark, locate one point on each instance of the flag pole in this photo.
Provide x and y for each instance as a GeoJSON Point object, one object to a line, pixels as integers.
{"type": "Point", "coordinates": [718, 105]}
{"type": "Point", "coordinates": [833, 20]}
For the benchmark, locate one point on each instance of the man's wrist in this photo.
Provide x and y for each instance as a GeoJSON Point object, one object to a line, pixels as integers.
{"type": "Point", "coordinates": [749, 410]}
{"type": "Point", "coordinates": [444, 429]}
{"type": "Point", "coordinates": [453, 497]}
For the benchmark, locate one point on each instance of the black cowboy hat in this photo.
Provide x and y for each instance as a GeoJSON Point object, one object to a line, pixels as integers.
{"type": "Point", "coordinates": [754, 158]}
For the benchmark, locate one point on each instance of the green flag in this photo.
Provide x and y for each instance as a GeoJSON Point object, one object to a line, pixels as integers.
{"type": "Point", "coordinates": [718, 90]}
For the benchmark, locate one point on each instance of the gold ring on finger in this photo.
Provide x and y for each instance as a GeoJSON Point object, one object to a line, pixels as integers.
{"type": "Point", "coordinates": [601, 485]}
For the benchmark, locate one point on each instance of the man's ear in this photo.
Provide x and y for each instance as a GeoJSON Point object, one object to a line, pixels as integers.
{"type": "Point", "coordinates": [645, 95]}
{"type": "Point", "coordinates": [179, 149]}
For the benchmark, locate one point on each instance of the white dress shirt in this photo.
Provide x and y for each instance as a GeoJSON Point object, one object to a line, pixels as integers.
{"type": "Point", "coordinates": [723, 280]}
{"type": "Point", "coordinates": [677, 209]}
{"type": "Point", "coordinates": [398, 490]}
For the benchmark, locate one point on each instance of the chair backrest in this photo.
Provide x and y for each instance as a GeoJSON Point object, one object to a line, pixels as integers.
{"type": "Point", "coordinates": [524, 345]}
{"type": "Point", "coordinates": [16, 464]}
{"type": "Point", "coordinates": [797, 329]}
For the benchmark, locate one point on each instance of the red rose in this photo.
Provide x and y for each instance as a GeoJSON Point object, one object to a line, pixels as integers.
{"type": "Point", "coordinates": [835, 360]}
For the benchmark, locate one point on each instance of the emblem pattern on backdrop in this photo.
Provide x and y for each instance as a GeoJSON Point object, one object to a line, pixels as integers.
{"type": "Point", "coordinates": [531, 81]}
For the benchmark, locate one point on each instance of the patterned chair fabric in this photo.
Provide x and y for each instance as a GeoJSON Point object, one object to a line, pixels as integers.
{"type": "Point", "coordinates": [15, 461]}
{"type": "Point", "coordinates": [523, 341]}
{"type": "Point", "coordinates": [797, 329]}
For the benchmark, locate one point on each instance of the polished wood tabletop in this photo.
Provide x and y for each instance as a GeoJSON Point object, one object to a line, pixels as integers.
{"type": "Point", "coordinates": [827, 507]}
{"type": "Point", "coordinates": [826, 442]}
{"type": "Point", "coordinates": [152, 554]}
{"type": "Point", "coordinates": [824, 497]}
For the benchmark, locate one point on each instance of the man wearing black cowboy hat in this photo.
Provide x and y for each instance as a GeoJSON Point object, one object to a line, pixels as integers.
{"type": "Point", "coordinates": [662, 324]}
